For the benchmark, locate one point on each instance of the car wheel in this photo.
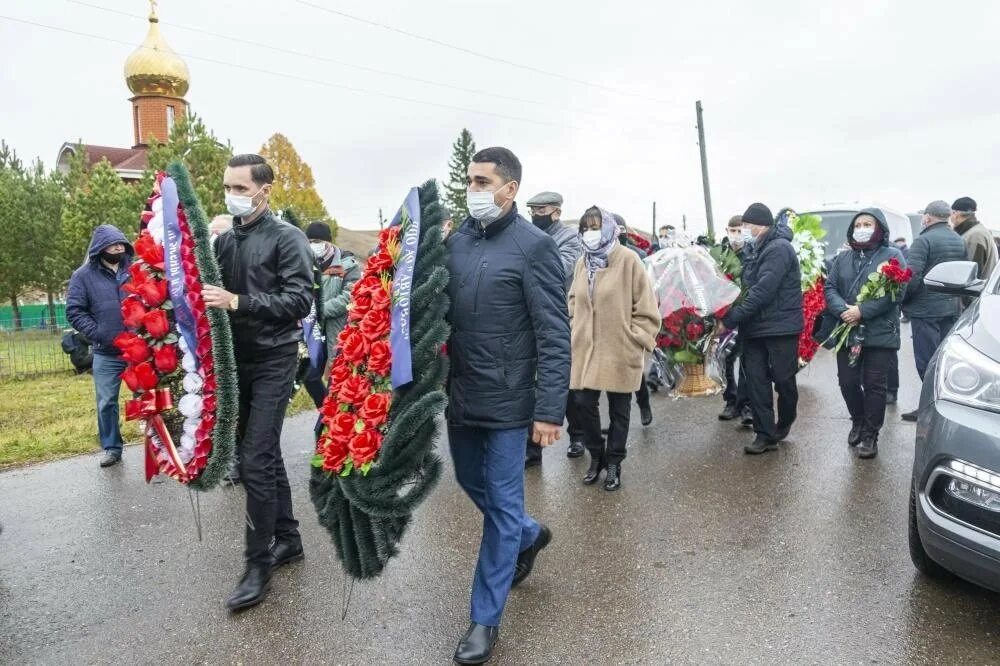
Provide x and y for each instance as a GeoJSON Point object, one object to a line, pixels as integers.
{"type": "Point", "coordinates": [921, 560]}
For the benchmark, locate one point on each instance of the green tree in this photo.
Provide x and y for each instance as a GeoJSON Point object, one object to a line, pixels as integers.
{"type": "Point", "coordinates": [458, 171]}
{"type": "Point", "coordinates": [46, 198]}
{"type": "Point", "coordinates": [191, 142]}
{"type": "Point", "coordinates": [16, 259]}
{"type": "Point", "coordinates": [294, 186]}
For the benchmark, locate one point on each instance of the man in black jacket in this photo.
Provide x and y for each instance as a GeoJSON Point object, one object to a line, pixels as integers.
{"type": "Point", "coordinates": [510, 359]}
{"type": "Point", "coordinates": [267, 272]}
{"type": "Point", "coordinates": [770, 320]}
{"type": "Point", "coordinates": [735, 395]}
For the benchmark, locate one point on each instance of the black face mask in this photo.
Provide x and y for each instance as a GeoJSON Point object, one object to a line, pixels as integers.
{"type": "Point", "coordinates": [112, 258]}
{"type": "Point", "coordinates": [623, 239]}
{"type": "Point", "coordinates": [543, 222]}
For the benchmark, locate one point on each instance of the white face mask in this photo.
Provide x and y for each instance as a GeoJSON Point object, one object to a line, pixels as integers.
{"type": "Point", "coordinates": [318, 248]}
{"type": "Point", "coordinates": [747, 237]}
{"type": "Point", "coordinates": [239, 205]}
{"type": "Point", "coordinates": [592, 238]}
{"type": "Point", "coordinates": [483, 206]}
{"type": "Point", "coordinates": [863, 235]}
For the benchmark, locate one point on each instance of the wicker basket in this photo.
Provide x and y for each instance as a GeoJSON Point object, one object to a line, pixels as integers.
{"type": "Point", "coordinates": [695, 382]}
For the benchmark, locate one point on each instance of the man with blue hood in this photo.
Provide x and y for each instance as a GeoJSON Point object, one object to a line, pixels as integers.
{"type": "Point", "coordinates": [864, 378]}
{"type": "Point", "coordinates": [93, 307]}
{"type": "Point", "coordinates": [770, 320]}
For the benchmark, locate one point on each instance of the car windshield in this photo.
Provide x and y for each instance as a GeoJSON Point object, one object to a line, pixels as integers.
{"type": "Point", "coordinates": [835, 223]}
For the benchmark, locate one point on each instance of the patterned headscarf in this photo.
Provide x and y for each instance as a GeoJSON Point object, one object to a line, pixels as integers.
{"type": "Point", "coordinates": [597, 258]}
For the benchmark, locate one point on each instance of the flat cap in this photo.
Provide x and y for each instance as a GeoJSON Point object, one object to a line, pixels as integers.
{"type": "Point", "coordinates": [546, 199]}
{"type": "Point", "coordinates": [964, 205]}
{"type": "Point", "coordinates": [938, 209]}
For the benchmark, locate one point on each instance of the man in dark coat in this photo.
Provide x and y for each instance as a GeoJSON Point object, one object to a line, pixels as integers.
{"type": "Point", "coordinates": [267, 270]}
{"type": "Point", "coordinates": [979, 244]}
{"type": "Point", "coordinates": [931, 314]}
{"type": "Point", "coordinates": [735, 395]}
{"type": "Point", "coordinates": [510, 360]}
{"type": "Point", "coordinates": [94, 308]}
{"type": "Point", "coordinates": [769, 319]}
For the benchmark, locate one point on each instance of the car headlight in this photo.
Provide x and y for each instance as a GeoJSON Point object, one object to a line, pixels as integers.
{"type": "Point", "coordinates": [966, 376]}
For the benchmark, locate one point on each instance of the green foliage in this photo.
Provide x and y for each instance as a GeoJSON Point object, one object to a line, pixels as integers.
{"type": "Point", "coordinates": [367, 515]}
{"type": "Point", "coordinates": [729, 262]}
{"type": "Point", "coordinates": [811, 223]}
{"type": "Point", "coordinates": [294, 185]}
{"type": "Point", "coordinates": [204, 155]}
{"type": "Point", "coordinates": [458, 170]}
{"type": "Point", "coordinates": [227, 391]}
{"type": "Point", "coordinates": [17, 262]}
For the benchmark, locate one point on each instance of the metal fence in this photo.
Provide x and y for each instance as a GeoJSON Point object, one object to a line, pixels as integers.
{"type": "Point", "coordinates": [33, 350]}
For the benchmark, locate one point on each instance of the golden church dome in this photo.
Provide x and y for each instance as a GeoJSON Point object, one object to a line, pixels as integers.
{"type": "Point", "coordinates": [154, 68]}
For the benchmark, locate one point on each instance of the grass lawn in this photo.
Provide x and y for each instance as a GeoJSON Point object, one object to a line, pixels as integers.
{"type": "Point", "coordinates": [54, 416]}
{"type": "Point", "coordinates": [31, 352]}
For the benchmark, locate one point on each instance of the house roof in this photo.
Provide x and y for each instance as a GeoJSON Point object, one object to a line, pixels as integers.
{"type": "Point", "coordinates": [124, 160]}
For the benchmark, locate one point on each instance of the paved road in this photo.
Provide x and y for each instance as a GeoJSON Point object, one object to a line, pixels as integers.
{"type": "Point", "coordinates": [705, 556]}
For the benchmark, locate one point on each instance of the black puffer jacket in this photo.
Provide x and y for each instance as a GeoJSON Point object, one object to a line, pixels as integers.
{"type": "Point", "coordinates": [849, 273]}
{"type": "Point", "coordinates": [509, 347]}
{"type": "Point", "coordinates": [772, 300]}
{"type": "Point", "coordinates": [935, 244]}
{"type": "Point", "coordinates": [270, 265]}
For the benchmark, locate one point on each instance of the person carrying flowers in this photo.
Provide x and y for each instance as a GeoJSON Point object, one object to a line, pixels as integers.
{"type": "Point", "coordinates": [863, 291]}
{"type": "Point", "coordinates": [614, 321]}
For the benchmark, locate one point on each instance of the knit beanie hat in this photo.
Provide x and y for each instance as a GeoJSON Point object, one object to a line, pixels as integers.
{"type": "Point", "coordinates": [758, 214]}
{"type": "Point", "coordinates": [964, 205]}
{"type": "Point", "coordinates": [319, 231]}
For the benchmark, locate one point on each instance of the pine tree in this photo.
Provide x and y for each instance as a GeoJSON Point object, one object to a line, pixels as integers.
{"type": "Point", "coordinates": [458, 170]}
{"type": "Point", "coordinates": [46, 199]}
{"type": "Point", "coordinates": [294, 186]}
{"type": "Point", "coordinates": [204, 155]}
{"type": "Point", "coordinates": [17, 262]}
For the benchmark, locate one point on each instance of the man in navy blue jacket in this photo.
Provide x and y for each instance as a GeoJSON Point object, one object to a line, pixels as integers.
{"type": "Point", "coordinates": [510, 360]}
{"type": "Point", "coordinates": [93, 307]}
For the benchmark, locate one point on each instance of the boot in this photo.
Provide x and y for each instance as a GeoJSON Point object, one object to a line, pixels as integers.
{"type": "Point", "coordinates": [729, 413]}
{"type": "Point", "coordinates": [646, 414]}
{"type": "Point", "coordinates": [613, 481]}
{"type": "Point", "coordinates": [891, 398]}
{"type": "Point", "coordinates": [854, 438]}
{"type": "Point", "coordinates": [868, 447]}
{"type": "Point", "coordinates": [476, 647]}
{"type": "Point", "coordinates": [575, 449]}
{"type": "Point", "coordinates": [594, 473]}
{"type": "Point", "coordinates": [746, 417]}
{"type": "Point", "coordinates": [760, 444]}
{"type": "Point", "coordinates": [252, 588]}
{"type": "Point", "coordinates": [111, 459]}
{"type": "Point", "coordinates": [286, 552]}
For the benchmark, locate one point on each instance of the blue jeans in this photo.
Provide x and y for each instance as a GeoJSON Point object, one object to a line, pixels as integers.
{"type": "Point", "coordinates": [927, 337]}
{"type": "Point", "coordinates": [489, 465]}
{"type": "Point", "coordinates": [107, 383]}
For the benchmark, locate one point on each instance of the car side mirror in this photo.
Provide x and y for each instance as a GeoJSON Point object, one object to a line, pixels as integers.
{"type": "Point", "coordinates": [957, 278]}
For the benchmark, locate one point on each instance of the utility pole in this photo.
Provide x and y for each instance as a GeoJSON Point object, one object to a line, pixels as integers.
{"type": "Point", "coordinates": [704, 171]}
{"type": "Point", "coordinates": [381, 220]}
{"type": "Point", "coordinates": [684, 223]}
{"type": "Point", "coordinates": [654, 220]}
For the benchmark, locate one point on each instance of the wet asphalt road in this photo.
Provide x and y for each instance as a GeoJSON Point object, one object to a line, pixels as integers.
{"type": "Point", "coordinates": [705, 556]}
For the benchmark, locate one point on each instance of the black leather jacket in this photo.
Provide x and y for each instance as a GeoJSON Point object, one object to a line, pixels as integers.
{"type": "Point", "coordinates": [269, 264]}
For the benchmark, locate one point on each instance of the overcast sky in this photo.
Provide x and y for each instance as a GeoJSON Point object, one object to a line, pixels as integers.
{"type": "Point", "coordinates": [894, 102]}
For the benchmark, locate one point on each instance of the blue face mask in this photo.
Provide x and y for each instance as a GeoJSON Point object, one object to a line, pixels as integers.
{"type": "Point", "coordinates": [748, 238]}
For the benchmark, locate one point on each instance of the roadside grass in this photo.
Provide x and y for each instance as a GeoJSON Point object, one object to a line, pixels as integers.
{"type": "Point", "coordinates": [54, 416]}
{"type": "Point", "coordinates": [31, 352]}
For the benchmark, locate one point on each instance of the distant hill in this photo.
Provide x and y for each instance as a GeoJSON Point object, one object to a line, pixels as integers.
{"type": "Point", "coordinates": [358, 242]}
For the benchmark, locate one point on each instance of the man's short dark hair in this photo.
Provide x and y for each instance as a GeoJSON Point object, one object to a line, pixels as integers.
{"type": "Point", "coordinates": [260, 171]}
{"type": "Point", "coordinates": [507, 164]}
{"type": "Point", "coordinates": [735, 221]}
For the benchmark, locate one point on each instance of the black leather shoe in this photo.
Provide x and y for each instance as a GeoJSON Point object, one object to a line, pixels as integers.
{"type": "Point", "coordinates": [575, 450]}
{"type": "Point", "coordinates": [252, 588]}
{"type": "Point", "coordinates": [854, 438]}
{"type": "Point", "coordinates": [746, 417]}
{"type": "Point", "coordinates": [476, 646]}
{"type": "Point", "coordinates": [911, 417]}
{"type": "Point", "coordinates": [594, 473]}
{"type": "Point", "coordinates": [526, 559]}
{"type": "Point", "coordinates": [891, 398]}
{"type": "Point", "coordinates": [110, 459]}
{"type": "Point", "coordinates": [613, 481]}
{"type": "Point", "coordinates": [729, 413]}
{"type": "Point", "coordinates": [868, 447]}
{"type": "Point", "coordinates": [760, 445]}
{"type": "Point", "coordinates": [646, 415]}
{"type": "Point", "coordinates": [286, 552]}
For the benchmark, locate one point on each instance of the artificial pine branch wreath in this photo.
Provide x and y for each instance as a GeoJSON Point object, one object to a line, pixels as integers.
{"type": "Point", "coordinates": [374, 459]}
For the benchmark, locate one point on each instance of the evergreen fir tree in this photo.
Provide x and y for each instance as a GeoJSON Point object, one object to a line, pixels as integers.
{"type": "Point", "coordinates": [458, 169]}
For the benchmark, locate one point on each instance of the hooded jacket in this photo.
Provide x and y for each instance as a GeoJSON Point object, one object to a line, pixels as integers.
{"type": "Point", "coordinates": [94, 296]}
{"type": "Point", "coordinates": [510, 343]}
{"type": "Point", "coordinates": [979, 245]}
{"type": "Point", "coordinates": [771, 305]}
{"type": "Point", "coordinates": [335, 295]}
{"type": "Point", "coordinates": [935, 244]}
{"type": "Point", "coordinates": [849, 273]}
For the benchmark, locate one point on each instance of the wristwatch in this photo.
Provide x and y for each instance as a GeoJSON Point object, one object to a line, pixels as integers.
{"type": "Point", "coordinates": [235, 302]}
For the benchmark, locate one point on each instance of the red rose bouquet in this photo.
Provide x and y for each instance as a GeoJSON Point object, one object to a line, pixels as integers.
{"type": "Point", "coordinates": [887, 280]}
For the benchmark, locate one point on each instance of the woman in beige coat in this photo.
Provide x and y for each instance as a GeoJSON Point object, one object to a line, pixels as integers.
{"type": "Point", "coordinates": [614, 321]}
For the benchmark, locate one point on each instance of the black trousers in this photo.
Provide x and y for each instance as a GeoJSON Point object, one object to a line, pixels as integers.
{"type": "Point", "coordinates": [642, 395]}
{"type": "Point", "coordinates": [771, 364]}
{"type": "Point", "coordinates": [588, 404]}
{"type": "Point", "coordinates": [736, 387]}
{"type": "Point", "coordinates": [534, 451]}
{"type": "Point", "coordinates": [265, 388]}
{"type": "Point", "coordinates": [864, 386]}
{"type": "Point", "coordinates": [893, 385]}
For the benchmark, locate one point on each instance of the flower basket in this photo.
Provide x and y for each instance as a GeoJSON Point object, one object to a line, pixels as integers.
{"type": "Point", "coordinates": [694, 382]}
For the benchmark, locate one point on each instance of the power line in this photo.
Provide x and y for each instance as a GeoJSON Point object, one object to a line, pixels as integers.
{"type": "Point", "coordinates": [484, 56]}
{"type": "Point", "coordinates": [302, 79]}
{"type": "Point", "coordinates": [321, 58]}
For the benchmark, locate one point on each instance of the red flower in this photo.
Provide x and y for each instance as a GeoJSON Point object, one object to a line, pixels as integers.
{"type": "Point", "coordinates": [334, 453]}
{"type": "Point", "coordinates": [374, 410]}
{"type": "Point", "coordinates": [340, 370]}
{"type": "Point", "coordinates": [133, 348]}
{"type": "Point", "coordinates": [132, 312]}
{"type": "Point", "coordinates": [388, 234]}
{"type": "Point", "coordinates": [366, 286]}
{"type": "Point", "coordinates": [354, 390]}
{"type": "Point", "coordinates": [365, 446]}
{"type": "Point", "coordinates": [353, 345]}
{"type": "Point", "coordinates": [360, 307]}
{"type": "Point", "coordinates": [694, 330]}
{"type": "Point", "coordinates": [380, 358]}
{"type": "Point", "coordinates": [157, 323]}
{"type": "Point", "coordinates": [381, 262]}
{"type": "Point", "coordinates": [342, 427]}
{"type": "Point", "coordinates": [140, 378]}
{"type": "Point", "coordinates": [165, 359]}
{"type": "Point", "coordinates": [148, 250]}
{"type": "Point", "coordinates": [721, 312]}
{"type": "Point", "coordinates": [376, 324]}
{"type": "Point", "coordinates": [380, 299]}
{"type": "Point", "coordinates": [153, 292]}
